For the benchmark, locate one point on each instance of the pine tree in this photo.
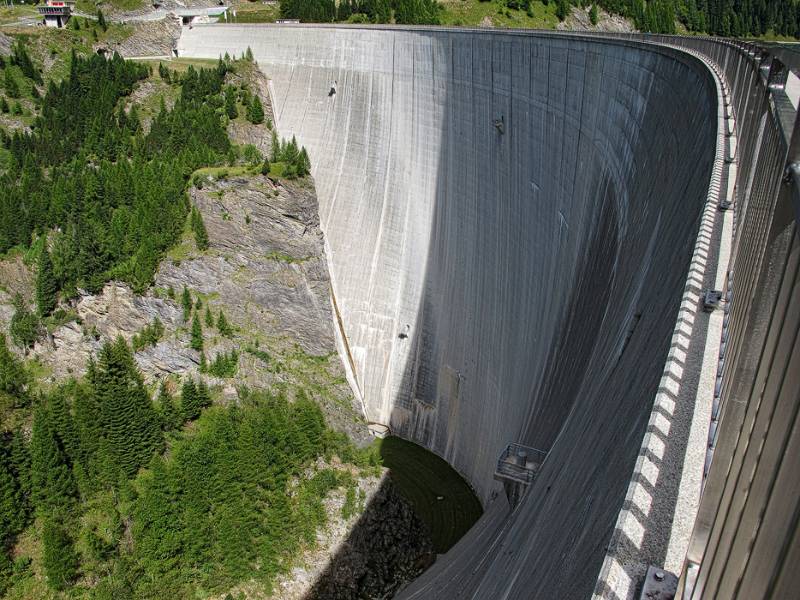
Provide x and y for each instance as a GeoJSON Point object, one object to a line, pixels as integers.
{"type": "Point", "coordinates": [101, 20]}
{"type": "Point", "coordinates": [197, 335]}
{"type": "Point", "coordinates": [59, 559]}
{"type": "Point", "coordinates": [265, 166]}
{"type": "Point", "coordinates": [186, 300]}
{"type": "Point", "coordinates": [190, 406]}
{"type": "Point", "coordinates": [130, 425]}
{"type": "Point", "coordinates": [593, 14]}
{"type": "Point", "coordinates": [255, 111]}
{"type": "Point", "coordinates": [248, 55]}
{"type": "Point", "coordinates": [223, 326]}
{"type": "Point", "coordinates": [46, 287]}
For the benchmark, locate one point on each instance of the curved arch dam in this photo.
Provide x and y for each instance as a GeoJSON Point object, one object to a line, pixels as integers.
{"type": "Point", "coordinates": [510, 219]}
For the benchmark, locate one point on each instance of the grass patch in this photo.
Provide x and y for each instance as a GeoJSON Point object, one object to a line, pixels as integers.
{"type": "Point", "coordinates": [89, 6]}
{"type": "Point", "coordinates": [225, 172]}
{"type": "Point", "coordinates": [177, 64]}
{"type": "Point", "coordinates": [185, 248]}
{"type": "Point", "coordinates": [423, 478]}
{"type": "Point", "coordinates": [60, 317]}
{"type": "Point", "coordinates": [286, 258]}
{"type": "Point", "coordinates": [255, 13]}
{"type": "Point", "coordinates": [12, 14]}
{"type": "Point", "coordinates": [472, 13]}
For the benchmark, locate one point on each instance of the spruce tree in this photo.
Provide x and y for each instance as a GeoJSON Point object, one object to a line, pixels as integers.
{"type": "Point", "coordinates": [13, 378]}
{"type": "Point", "coordinates": [203, 395]}
{"type": "Point", "coordinates": [255, 112]}
{"type": "Point", "coordinates": [230, 102]}
{"type": "Point", "coordinates": [170, 419]}
{"type": "Point", "coordinates": [24, 326]}
{"type": "Point", "coordinates": [223, 326]}
{"type": "Point", "coordinates": [58, 558]}
{"type": "Point", "coordinates": [101, 20]}
{"type": "Point", "coordinates": [562, 9]}
{"type": "Point", "coordinates": [46, 288]}
{"type": "Point", "coordinates": [275, 148]}
{"type": "Point", "coordinates": [87, 421]}
{"type": "Point", "coordinates": [186, 300]}
{"type": "Point", "coordinates": [10, 83]}
{"type": "Point", "coordinates": [12, 517]}
{"type": "Point", "coordinates": [20, 460]}
{"type": "Point", "coordinates": [303, 163]}
{"type": "Point", "coordinates": [199, 228]}
{"type": "Point", "coordinates": [197, 335]}
{"type": "Point", "coordinates": [130, 425]}
{"type": "Point", "coordinates": [190, 406]}
{"type": "Point", "coordinates": [209, 317]}
{"type": "Point", "coordinates": [53, 487]}
{"type": "Point", "coordinates": [593, 14]}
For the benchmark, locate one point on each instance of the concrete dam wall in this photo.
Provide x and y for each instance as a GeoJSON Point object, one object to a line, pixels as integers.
{"type": "Point", "coordinates": [510, 219]}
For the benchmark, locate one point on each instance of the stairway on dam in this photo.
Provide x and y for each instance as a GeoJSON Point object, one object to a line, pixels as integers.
{"type": "Point", "coordinates": [510, 221]}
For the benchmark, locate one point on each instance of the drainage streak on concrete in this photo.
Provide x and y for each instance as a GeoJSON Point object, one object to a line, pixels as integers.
{"type": "Point", "coordinates": [510, 219]}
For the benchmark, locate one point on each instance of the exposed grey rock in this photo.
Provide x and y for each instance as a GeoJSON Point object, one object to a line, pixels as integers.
{"type": "Point", "coordinates": [165, 359]}
{"type": "Point", "coordinates": [118, 311]}
{"type": "Point", "coordinates": [5, 44]}
{"type": "Point", "coordinates": [266, 267]}
{"type": "Point", "coordinates": [151, 38]}
{"type": "Point", "coordinates": [115, 312]}
{"type": "Point", "coordinates": [578, 20]}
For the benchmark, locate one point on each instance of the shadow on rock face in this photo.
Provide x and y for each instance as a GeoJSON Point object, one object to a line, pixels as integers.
{"type": "Point", "coordinates": [388, 547]}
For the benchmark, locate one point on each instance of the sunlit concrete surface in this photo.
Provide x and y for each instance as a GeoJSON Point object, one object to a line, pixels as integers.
{"type": "Point", "coordinates": [510, 220]}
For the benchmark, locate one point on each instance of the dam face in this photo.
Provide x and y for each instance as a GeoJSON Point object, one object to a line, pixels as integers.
{"type": "Point", "coordinates": [509, 220]}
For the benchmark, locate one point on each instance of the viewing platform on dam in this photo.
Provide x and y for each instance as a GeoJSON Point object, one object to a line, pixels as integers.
{"type": "Point", "coordinates": [517, 468]}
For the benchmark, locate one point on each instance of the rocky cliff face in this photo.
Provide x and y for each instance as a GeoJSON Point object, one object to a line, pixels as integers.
{"type": "Point", "coordinates": [267, 263]}
{"type": "Point", "coordinates": [265, 269]}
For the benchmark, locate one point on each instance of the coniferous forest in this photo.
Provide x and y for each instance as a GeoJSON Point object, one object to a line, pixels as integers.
{"type": "Point", "coordinates": [116, 513]}
{"type": "Point", "coordinates": [730, 18]}
{"type": "Point", "coordinates": [111, 488]}
{"type": "Point", "coordinates": [113, 194]}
